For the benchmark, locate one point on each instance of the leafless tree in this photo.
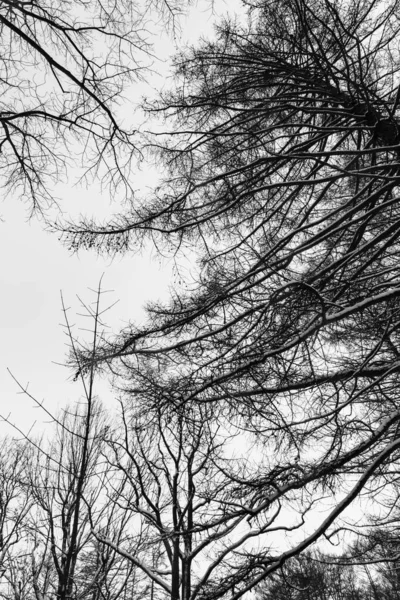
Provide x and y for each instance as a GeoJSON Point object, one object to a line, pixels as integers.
{"type": "Point", "coordinates": [177, 473]}
{"type": "Point", "coordinates": [15, 503]}
{"type": "Point", "coordinates": [58, 90]}
{"type": "Point", "coordinates": [53, 552]}
{"type": "Point", "coordinates": [62, 484]}
{"type": "Point", "coordinates": [283, 177]}
{"type": "Point", "coordinates": [62, 480]}
{"type": "Point", "coordinates": [65, 65]}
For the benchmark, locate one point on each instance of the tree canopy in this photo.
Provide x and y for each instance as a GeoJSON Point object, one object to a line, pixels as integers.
{"type": "Point", "coordinates": [283, 179]}
{"type": "Point", "coordinates": [282, 168]}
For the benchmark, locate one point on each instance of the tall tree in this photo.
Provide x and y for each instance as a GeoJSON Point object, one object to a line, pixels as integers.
{"type": "Point", "coordinates": [176, 472]}
{"type": "Point", "coordinates": [283, 177]}
{"type": "Point", "coordinates": [15, 501]}
{"type": "Point", "coordinates": [63, 484]}
{"type": "Point", "coordinates": [49, 550]}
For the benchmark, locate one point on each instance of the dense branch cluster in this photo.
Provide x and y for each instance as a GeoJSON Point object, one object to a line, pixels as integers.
{"type": "Point", "coordinates": [283, 178]}
{"type": "Point", "coordinates": [63, 68]}
{"type": "Point", "coordinates": [261, 405]}
{"type": "Point", "coordinates": [150, 507]}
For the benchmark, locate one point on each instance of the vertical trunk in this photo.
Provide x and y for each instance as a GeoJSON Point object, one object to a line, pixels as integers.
{"type": "Point", "coordinates": [175, 569]}
{"type": "Point", "coordinates": [186, 577]}
{"type": "Point", "coordinates": [187, 562]}
{"type": "Point", "coordinates": [175, 541]}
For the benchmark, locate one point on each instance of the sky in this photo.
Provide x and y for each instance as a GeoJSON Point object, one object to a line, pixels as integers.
{"type": "Point", "coordinates": [33, 340]}
{"type": "Point", "coordinates": [36, 268]}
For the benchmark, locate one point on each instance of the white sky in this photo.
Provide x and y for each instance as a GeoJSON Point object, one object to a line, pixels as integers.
{"type": "Point", "coordinates": [36, 267]}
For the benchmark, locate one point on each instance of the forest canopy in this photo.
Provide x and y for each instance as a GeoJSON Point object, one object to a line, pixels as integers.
{"type": "Point", "coordinates": [280, 155]}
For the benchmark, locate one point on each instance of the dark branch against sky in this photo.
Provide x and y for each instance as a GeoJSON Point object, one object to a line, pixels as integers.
{"type": "Point", "coordinates": [258, 398]}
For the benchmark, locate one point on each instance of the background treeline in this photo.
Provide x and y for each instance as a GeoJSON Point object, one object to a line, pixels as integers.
{"type": "Point", "coordinates": [128, 511]}
{"type": "Point", "coordinates": [141, 507]}
{"type": "Point", "coordinates": [319, 576]}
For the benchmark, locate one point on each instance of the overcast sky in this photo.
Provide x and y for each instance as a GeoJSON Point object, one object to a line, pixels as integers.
{"type": "Point", "coordinates": [36, 267]}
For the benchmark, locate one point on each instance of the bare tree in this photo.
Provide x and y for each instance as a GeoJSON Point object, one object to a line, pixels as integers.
{"type": "Point", "coordinates": [63, 483]}
{"type": "Point", "coordinates": [63, 497]}
{"type": "Point", "coordinates": [15, 503]}
{"type": "Point", "coordinates": [177, 473]}
{"type": "Point", "coordinates": [284, 172]}
{"type": "Point", "coordinates": [65, 66]}
{"type": "Point", "coordinates": [53, 552]}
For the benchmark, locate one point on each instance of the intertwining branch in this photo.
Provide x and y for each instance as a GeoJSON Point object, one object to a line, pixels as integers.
{"type": "Point", "coordinates": [283, 177]}
{"type": "Point", "coordinates": [66, 67]}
